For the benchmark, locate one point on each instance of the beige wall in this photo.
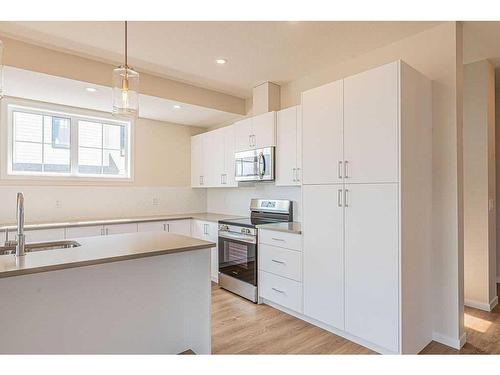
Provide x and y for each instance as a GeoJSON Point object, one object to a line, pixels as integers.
{"type": "Point", "coordinates": [39, 59]}
{"type": "Point", "coordinates": [479, 185]}
{"type": "Point", "coordinates": [497, 137]}
{"type": "Point", "coordinates": [436, 52]}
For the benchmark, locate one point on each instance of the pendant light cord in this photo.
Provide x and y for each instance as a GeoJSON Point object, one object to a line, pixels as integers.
{"type": "Point", "coordinates": [126, 60]}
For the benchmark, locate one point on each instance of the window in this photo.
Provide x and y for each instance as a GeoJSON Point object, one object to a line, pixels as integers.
{"type": "Point", "coordinates": [46, 143]}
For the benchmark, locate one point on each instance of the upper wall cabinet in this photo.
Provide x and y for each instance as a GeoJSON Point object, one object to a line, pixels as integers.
{"type": "Point", "coordinates": [288, 146]}
{"type": "Point", "coordinates": [255, 132]}
{"type": "Point", "coordinates": [212, 158]}
{"type": "Point", "coordinates": [322, 134]}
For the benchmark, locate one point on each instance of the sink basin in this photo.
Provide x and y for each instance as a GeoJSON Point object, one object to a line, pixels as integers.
{"type": "Point", "coordinates": [39, 246]}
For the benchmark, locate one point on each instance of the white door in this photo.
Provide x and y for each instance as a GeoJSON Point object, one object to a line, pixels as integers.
{"type": "Point", "coordinates": [264, 130]}
{"type": "Point", "coordinates": [120, 228]}
{"type": "Point", "coordinates": [179, 227]}
{"type": "Point", "coordinates": [372, 263]}
{"type": "Point", "coordinates": [242, 135]}
{"type": "Point", "coordinates": [286, 147]}
{"type": "Point", "coordinates": [196, 161]}
{"type": "Point", "coordinates": [371, 125]}
{"type": "Point", "coordinates": [43, 235]}
{"type": "Point", "coordinates": [229, 169]}
{"type": "Point", "coordinates": [322, 123]}
{"type": "Point", "coordinates": [323, 256]}
{"type": "Point", "coordinates": [87, 231]}
{"type": "Point", "coordinates": [152, 226]}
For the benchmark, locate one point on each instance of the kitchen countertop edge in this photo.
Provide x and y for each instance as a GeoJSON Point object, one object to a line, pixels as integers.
{"type": "Point", "coordinates": [287, 227]}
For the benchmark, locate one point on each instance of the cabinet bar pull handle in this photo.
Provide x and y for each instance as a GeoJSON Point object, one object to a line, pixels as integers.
{"type": "Point", "coordinates": [278, 239]}
{"type": "Point", "coordinates": [346, 169]}
{"type": "Point", "coordinates": [278, 261]}
{"type": "Point", "coordinates": [294, 173]}
{"type": "Point", "coordinates": [346, 203]}
{"type": "Point", "coordinates": [164, 227]}
{"type": "Point", "coordinates": [339, 197]}
{"type": "Point", "coordinates": [278, 290]}
{"type": "Point", "coordinates": [340, 169]}
{"type": "Point", "coordinates": [297, 173]}
{"type": "Point", "coordinates": [168, 227]}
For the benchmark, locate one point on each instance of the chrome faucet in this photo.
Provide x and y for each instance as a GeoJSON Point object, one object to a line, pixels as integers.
{"type": "Point", "coordinates": [20, 226]}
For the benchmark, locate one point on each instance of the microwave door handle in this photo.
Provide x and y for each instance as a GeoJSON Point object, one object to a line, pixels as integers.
{"type": "Point", "coordinates": [262, 161]}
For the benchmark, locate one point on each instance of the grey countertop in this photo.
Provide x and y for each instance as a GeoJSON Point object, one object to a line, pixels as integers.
{"type": "Point", "coordinates": [206, 216]}
{"type": "Point", "coordinates": [98, 250]}
{"type": "Point", "coordinates": [290, 227]}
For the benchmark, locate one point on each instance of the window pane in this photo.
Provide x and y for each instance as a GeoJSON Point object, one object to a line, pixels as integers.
{"type": "Point", "coordinates": [90, 160]}
{"type": "Point", "coordinates": [89, 134]}
{"type": "Point", "coordinates": [112, 136]}
{"type": "Point", "coordinates": [113, 163]}
{"type": "Point", "coordinates": [28, 127]}
{"type": "Point", "coordinates": [27, 157]}
{"type": "Point", "coordinates": [60, 129]}
{"type": "Point", "coordinates": [56, 159]}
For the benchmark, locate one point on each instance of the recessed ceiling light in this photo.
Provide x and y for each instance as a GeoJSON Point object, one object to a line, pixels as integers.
{"type": "Point", "coordinates": [221, 61]}
{"type": "Point", "coordinates": [91, 89]}
{"type": "Point", "coordinates": [177, 106]}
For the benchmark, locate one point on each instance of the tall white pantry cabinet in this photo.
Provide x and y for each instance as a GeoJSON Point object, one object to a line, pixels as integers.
{"type": "Point", "coordinates": [366, 144]}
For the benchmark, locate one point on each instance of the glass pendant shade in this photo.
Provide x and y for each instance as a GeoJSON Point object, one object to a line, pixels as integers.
{"type": "Point", "coordinates": [1, 69]}
{"type": "Point", "coordinates": [125, 92]}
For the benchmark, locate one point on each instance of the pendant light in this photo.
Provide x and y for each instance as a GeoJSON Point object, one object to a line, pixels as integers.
{"type": "Point", "coordinates": [1, 69]}
{"type": "Point", "coordinates": [125, 88]}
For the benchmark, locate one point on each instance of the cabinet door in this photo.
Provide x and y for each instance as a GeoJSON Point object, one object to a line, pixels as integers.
{"type": "Point", "coordinates": [43, 235]}
{"type": "Point", "coordinates": [212, 159]}
{"type": "Point", "coordinates": [286, 147]}
{"type": "Point", "coordinates": [323, 256]}
{"type": "Point", "coordinates": [198, 229]}
{"type": "Point", "coordinates": [87, 231]}
{"type": "Point", "coordinates": [242, 133]}
{"type": "Point", "coordinates": [371, 125]}
{"type": "Point", "coordinates": [228, 172]}
{"type": "Point", "coordinates": [322, 144]}
{"type": "Point", "coordinates": [179, 227]}
{"type": "Point", "coordinates": [212, 235]}
{"type": "Point", "coordinates": [299, 145]}
{"type": "Point", "coordinates": [120, 228]}
{"type": "Point", "coordinates": [152, 226]}
{"type": "Point", "coordinates": [264, 130]}
{"type": "Point", "coordinates": [372, 263]}
{"type": "Point", "coordinates": [196, 160]}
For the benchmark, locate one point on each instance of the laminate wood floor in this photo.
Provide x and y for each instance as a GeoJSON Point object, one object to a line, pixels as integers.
{"type": "Point", "coordinates": [241, 327]}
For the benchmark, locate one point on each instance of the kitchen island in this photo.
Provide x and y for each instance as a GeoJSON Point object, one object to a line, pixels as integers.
{"type": "Point", "coordinates": [137, 293]}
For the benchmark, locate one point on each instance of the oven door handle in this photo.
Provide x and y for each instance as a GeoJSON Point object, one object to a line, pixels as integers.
{"type": "Point", "coordinates": [238, 237]}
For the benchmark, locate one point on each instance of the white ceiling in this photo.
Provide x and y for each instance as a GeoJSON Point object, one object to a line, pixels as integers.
{"type": "Point", "coordinates": [482, 41]}
{"type": "Point", "coordinates": [256, 51]}
{"type": "Point", "coordinates": [26, 84]}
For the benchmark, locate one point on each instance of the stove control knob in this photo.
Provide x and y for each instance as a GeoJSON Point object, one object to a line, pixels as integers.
{"type": "Point", "coordinates": [223, 227]}
{"type": "Point", "coordinates": [245, 230]}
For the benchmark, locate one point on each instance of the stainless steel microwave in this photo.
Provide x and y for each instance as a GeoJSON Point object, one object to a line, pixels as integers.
{"type": "Point", "coordinates": [254, 165]}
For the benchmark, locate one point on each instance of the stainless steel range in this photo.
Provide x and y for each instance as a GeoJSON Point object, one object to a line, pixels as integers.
{"type": "Point", "coordinates": [238, 245]}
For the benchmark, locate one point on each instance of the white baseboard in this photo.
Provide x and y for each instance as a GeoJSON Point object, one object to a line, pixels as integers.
{"type": "Point", "coordinates": [449, 341]}
{"type": "Point", "coordinates": [482, 305]}
{"type": "Point", "coordinates": [328, 328]}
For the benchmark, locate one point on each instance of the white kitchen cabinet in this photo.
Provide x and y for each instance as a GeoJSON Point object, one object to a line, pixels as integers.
{"type": "Point", "coordinates": [152, 226]}
{"type": "Point", "coordinates": [120, 228]}
{"type": "Point", "coordinates": [255, 132]}
{"type": "Point", "coordinates": [371, 125]}
{"type": "Point", "coordinates": [322, 134]}
{"type": "Point", "coordinates": [288, 146]}
{"type": "Point", "coordinates": [41, 235]}
{"type": "Point", "coordinates": [85, 231]}
{"type": "Point", "coordinates": [172, 226]}
{"type": "Point", "coordinates": [212, 158]}
{"type": "Point", "coordinates": [372, 263]}
{"type": "Point", "coordinates": [208, 231]}
{"type": "Point", "coordinates": [197, 162]}
{"type": "Point", "coordinates": [323, 222]}
{"type": "Point", "coordinates": [367, 225]}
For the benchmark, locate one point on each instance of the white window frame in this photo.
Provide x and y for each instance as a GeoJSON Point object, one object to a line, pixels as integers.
{"type": "Point", "coordinates": [9, 105]}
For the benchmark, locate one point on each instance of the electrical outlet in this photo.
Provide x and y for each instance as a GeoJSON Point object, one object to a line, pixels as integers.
{"type": "Point", "coordinates": [155, 202]}
{"type": "Point", "coordinates": [58, 204]}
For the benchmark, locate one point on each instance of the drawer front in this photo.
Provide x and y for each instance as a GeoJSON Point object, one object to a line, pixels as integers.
{"type": "Point", "coordinates": [281, 239]}
{"type": "Point", "coordinates": [284, 292]}
{"type": "Point", "coordinates": [282, 262]}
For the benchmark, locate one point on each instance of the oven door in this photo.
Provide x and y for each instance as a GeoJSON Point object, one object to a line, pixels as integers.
{"type": "Point", "coordinates": [255, 165]}
{"type": "Point", "coordinates": [238, 256]}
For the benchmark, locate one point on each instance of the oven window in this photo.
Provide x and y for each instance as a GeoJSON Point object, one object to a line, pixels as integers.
{"type": "Point", "coordinates": [237, 259]}
{"type": "Point", "coordinates": [236, 253]}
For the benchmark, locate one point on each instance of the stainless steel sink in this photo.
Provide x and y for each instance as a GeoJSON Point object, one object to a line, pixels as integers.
{"type": "Point", "coordinates": [39, 246]}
